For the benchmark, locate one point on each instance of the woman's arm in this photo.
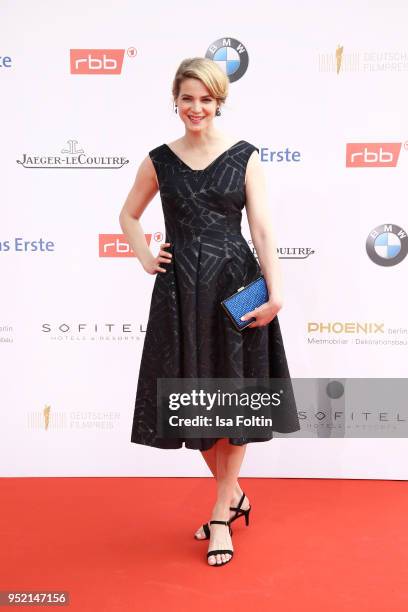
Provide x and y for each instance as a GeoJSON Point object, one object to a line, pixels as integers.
{"type": "Point", "coordinates": [260, 224]}
{"type": "Point", "coordinates": [143, 191]}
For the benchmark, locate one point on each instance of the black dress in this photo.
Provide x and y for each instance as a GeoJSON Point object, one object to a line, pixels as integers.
{"type": "Point", "coordinates": [188, 334]}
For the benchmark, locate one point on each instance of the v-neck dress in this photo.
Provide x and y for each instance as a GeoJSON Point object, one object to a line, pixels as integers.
{"type": "Point", "coordinates": [188, 333]}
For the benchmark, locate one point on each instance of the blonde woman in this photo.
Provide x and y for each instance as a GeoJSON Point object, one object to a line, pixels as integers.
{"type": "Point", "coordinates": [205, 179]}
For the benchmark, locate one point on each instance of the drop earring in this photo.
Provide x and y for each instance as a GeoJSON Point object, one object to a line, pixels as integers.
{"type": "Point", "coordinates": [218, 112]}
{"type": "Point", "coordinates": [175, 108]}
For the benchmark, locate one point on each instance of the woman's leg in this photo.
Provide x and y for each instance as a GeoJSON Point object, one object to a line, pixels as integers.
{"type": "Point", "coordinates": [229, 458]}
{"type": "Point", "coordinates": [210, 457]}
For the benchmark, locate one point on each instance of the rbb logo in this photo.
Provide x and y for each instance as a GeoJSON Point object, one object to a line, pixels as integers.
{"type": "Point", "coordinates": [372, 154]}
{"type": "Point", "coordinates": [96, 61]}
{"type": "Point", "coordinates": [116, 245]}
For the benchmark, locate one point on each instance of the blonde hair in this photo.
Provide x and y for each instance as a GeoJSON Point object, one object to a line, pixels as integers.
{"type": "Point", "coordinates": [208, 72]}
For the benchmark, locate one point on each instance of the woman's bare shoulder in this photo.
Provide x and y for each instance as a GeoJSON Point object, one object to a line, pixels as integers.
{"type": "Point", "coordinates": [147, 169]}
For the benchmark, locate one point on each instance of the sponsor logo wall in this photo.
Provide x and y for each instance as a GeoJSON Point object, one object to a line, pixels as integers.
{"type": "Point", "coordinates": [75, 300]}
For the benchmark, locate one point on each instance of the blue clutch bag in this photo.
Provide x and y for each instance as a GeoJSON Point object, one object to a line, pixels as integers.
{"type": "Point", "coordinates": [244, 300]}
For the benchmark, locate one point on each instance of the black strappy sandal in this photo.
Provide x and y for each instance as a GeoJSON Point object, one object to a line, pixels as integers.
{"type": "Point", "coordinates": [221, 551]}
{"type": "Point", "coordinates": [238, 512]}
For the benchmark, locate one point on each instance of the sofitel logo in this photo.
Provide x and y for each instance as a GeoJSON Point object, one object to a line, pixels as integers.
{"type": "Point", "coordinates": [95, 332]}
{"type": "Point", "coordinates": [98, 61]}
{"type": "Point", "coordinates": [73, 158]}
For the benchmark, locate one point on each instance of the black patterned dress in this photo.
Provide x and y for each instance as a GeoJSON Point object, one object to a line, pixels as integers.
{"type": "Point", "coordinates": [188, 333]}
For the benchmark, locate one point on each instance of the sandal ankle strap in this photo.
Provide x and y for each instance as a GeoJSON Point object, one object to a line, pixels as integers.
{"type": "Point", "coordinates": [227, 523]}
{"type": "Point", "coordinates": [241, 501]}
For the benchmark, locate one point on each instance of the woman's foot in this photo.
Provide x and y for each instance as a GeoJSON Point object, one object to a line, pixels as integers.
{"type": "Point", "coordinates": [220, 539]}
{"type": "Point", "coordinates": [200, 534]}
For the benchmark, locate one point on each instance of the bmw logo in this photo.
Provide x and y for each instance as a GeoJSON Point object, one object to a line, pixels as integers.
{"type": "Point", "coordinates": [231, 56]}
{"type": "Point", "coordinates": [387, 245]}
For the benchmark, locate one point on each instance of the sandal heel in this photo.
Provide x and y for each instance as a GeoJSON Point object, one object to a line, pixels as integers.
{"type": "Point", "coordinates": [240, 512]}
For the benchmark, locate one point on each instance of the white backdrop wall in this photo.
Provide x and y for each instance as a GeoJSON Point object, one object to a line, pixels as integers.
{"type": "Point", "coordinates": [72, 322]}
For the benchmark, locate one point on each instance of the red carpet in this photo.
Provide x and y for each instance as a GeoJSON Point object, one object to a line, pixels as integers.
{"type": "Point", "coordinates": [127, 544]}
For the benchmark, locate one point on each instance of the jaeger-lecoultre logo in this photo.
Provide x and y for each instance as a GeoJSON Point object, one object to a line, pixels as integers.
{"type": "Point", "coordinates": [72, 157]}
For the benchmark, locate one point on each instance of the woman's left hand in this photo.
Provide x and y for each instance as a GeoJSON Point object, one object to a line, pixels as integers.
{"type": "Point", "coordinates": [264, 314]}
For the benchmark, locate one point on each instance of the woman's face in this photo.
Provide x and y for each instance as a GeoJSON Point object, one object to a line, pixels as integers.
{"type": "Point", "coordinates": [196, 107]}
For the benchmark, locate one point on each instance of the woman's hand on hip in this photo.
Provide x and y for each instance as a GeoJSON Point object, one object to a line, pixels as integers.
{"type": "Point", "coordinates": [152, 266]}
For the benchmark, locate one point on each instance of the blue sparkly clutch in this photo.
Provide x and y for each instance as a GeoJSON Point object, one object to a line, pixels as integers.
{"type": "Point", "coordinates": [244, 300]}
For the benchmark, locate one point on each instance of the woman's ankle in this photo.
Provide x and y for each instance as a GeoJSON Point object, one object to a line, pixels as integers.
{"type": "Point", "coordinates": [220, 512]}
{"type": "Point", "coordinates": [237, 493]}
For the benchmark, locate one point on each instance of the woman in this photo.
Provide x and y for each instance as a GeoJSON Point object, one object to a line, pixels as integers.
{"type": "Point", "coordinates": [205, 179]}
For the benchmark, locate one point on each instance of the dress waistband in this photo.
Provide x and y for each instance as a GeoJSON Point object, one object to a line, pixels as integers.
{"type": "Point", "coordinates": [188, 234]}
